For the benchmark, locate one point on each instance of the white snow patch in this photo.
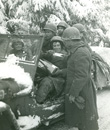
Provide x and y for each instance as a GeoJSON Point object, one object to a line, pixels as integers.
{"type": "Point", "coordinates": [10, 69]}
{"type": "Point", "coordinates": [52, 107]}
{"type": "Point", "coordinates": [28, 122]}
{"type": "Point", "coordinates": [3, 106]}
{"type": "Point", "coordinates": [55, 115]}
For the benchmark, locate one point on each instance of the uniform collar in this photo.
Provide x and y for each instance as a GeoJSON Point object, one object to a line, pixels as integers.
{"type": "Point", "coordinates": [76, 46]}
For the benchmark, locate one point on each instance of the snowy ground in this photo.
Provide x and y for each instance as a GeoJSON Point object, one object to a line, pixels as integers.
{"type": "Point", "coordinates": [103, 102]}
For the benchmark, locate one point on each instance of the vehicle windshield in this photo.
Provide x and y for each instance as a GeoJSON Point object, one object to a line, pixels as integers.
{"type": "Point", "coordinates": [25, 47]}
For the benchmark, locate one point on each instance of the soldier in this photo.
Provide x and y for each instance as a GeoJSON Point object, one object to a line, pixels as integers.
{"type": "Point", "coordinates": [58, 45]}
{"type": "Point", "coordinates": [61, 27]}
{"type": "Point", "coordinates": [58, 52]}
{"type": "Point", "coordinates": [83, 36]}
{"type": "Point", "coordinates": [80, 27]}
{"type": "Point", "coordinates": [82, 31]}
{"type": "Point", "coordinates": [18, 50]}
{"type": "Point", "coordinates": [53, 84]}
{"type": "Point", "coordinates": [50, 30]}
{"type": "Point", "coordinates": [80, 95]}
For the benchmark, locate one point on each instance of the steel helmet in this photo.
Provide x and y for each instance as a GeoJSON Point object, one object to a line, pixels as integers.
{"type": "Point", "coordinates": [71, 33]}
{"type": "Point", "coordinates": [80, 27]}
{"type": "Point", "coordinates": [52, 27]}
{"type": "Point", "coordinates": [56, 38]}
{"type": "Point", "coordinates": [62, 24]}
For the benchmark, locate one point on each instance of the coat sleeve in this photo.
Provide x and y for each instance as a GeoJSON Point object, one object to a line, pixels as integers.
{"type": "Point", "coordinates": [81, 74]}
{"type": "Point", "coordinates": [47, 55]}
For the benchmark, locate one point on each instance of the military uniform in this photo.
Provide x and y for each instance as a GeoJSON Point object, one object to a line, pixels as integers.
{"type": "Point", "coordinates": [79, 83]}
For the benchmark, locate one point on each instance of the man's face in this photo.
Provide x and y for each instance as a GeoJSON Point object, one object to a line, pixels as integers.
{"type": "Point", "coordinates": [60, 31]}
{"type": "Point", "coordinates": [57, 47]}
{"type": "Point", "coordinates": [18, 46]}
{"type": "Point", "coordinates": [48, 34]}
{"type": "Point", "coordinates": [68, 44]}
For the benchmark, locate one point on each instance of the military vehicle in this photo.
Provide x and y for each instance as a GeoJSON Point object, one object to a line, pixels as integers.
{"type": "Point", "coordinates": [25, 113]}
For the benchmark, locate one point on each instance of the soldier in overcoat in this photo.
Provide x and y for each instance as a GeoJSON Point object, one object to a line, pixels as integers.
{"type": "Point", "coordinates": [80, 94]}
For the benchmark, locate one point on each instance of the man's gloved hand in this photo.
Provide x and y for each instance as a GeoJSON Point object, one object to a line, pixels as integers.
{"type": "Point", "coordinates": [71, 98]}
{"type": "Point", "coordinates": [80, 102]}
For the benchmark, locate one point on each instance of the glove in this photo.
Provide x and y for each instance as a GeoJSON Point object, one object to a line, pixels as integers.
{"type": "Point", "coordinates": [79, 105]}
{"type": "Point", "coordinates": [80, 99]}
{"type": "Point", "coordinates": [80, 102]}
{"type": "Point", "coordinates": [71, 98]}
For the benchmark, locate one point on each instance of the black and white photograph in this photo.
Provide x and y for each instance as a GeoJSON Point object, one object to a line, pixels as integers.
{"type": "Point", "coordinates": [54, 65]}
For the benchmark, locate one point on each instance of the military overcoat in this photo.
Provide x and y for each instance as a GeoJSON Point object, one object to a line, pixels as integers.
{"type": "Point", "coordinates": [79, 83]}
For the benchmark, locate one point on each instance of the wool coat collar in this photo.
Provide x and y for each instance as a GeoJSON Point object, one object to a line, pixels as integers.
{"type": "Point", "coordinates": [76, 45]}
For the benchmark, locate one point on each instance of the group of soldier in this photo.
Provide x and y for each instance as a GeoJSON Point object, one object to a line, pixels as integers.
{"type": "Point", "coordinates": [66, 47]}
{"type": "Point", "coordinates": [73, 75]}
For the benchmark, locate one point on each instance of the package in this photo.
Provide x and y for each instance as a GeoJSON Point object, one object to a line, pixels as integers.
{"type": "Point", "coordinates": [44, 64]}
